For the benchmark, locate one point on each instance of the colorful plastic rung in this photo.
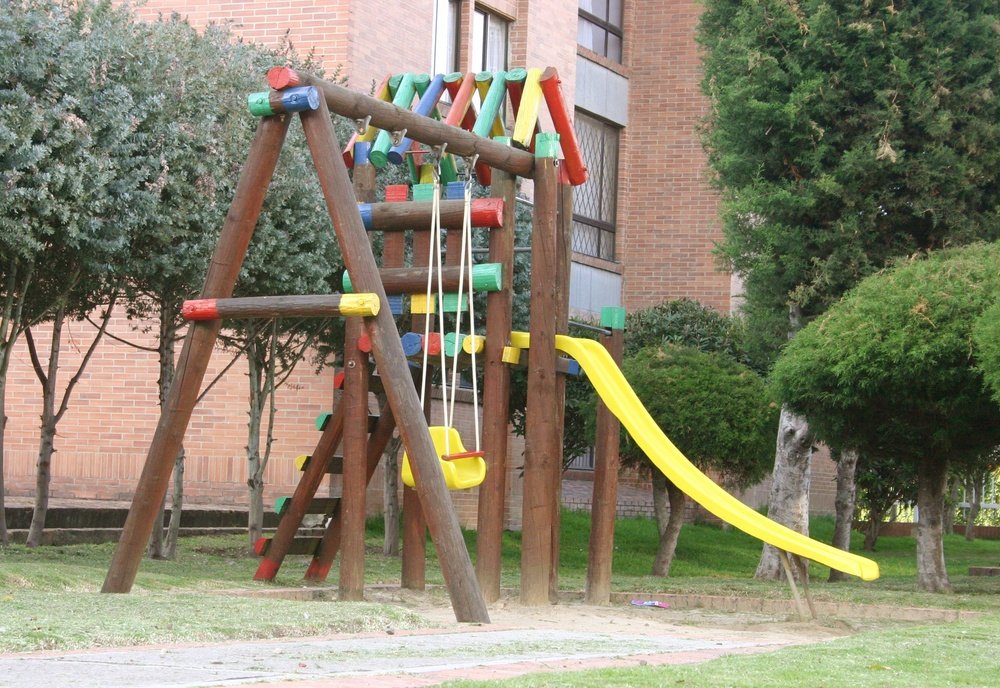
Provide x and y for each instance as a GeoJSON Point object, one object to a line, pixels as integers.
{"type": "Point", "coordinates": [462, 469]}
{"type": "Point", "coordinates": [450, 303]}
{"type": "Point", "coordinates": [395, 304]}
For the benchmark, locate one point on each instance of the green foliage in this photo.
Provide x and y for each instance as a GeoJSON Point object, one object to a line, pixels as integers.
{"type": "Point", "coordinates": [685, 322]}
{"type": "Point", "coordinates": [72, 154]}
{"type": "Point", "coordinates": [716, 410]}
{"type": "Point", "coordinates": [845, 134]}
{"type": "Point", "coordinates": [891, 370]}
{"type": "Point", "coordinates": [986, 336]}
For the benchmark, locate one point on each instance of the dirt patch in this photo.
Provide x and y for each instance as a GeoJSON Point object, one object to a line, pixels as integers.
{"type": "Point", "coordinates": [625, 618]}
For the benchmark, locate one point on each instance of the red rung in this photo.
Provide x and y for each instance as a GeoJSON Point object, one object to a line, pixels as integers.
{"type": "Point", "coordinates": [462, 455]}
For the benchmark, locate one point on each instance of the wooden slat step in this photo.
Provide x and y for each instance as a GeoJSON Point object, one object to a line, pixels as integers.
{"type": "Point", "coordinates": [336, 465]}
{"type": "Point", "coordinates": [317, 505]}
{"type": "Point", "coordinates": [300, 545]}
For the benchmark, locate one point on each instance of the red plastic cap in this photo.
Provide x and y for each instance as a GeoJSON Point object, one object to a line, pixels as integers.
{"type": "Point", "coordinates": [433, 344]}
{"type": "Point", "coordinates": [200, 309]}
{"type": "Point", "coordinates": [365, 343]}
{"type": "Point", "coordinates": [338, 380]}
{"type": "Point", "coordinates": [487, 212]}
{"type": "Point", "coordinates": [283, 77]}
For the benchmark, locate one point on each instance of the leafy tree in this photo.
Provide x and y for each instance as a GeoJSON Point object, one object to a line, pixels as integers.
{"type": "Point", "coordinates": [891, 371]}
{"type": "Point", "coordinates": [73, 167]}
{"type": "Point", "coordinates": [843, 135]}
{"type": "Point", "coordinates": [716, 410]}
{"type": "Point", "coordinates": [882, 483]}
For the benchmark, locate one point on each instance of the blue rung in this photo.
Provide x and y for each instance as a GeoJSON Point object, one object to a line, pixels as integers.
{"type": "Point", "coordinates": [455, 191]}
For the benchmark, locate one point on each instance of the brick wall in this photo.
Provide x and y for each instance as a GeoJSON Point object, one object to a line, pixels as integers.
{"type": "Point", "coordinates": [668, 216]}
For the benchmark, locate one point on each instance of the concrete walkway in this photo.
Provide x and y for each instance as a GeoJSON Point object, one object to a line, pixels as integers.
{"type": "Point", "coordinates": [420, 658]}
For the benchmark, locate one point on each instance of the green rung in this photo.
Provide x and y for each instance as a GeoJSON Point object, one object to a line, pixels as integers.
{"type": "Point", "coordinates": [449, 303]}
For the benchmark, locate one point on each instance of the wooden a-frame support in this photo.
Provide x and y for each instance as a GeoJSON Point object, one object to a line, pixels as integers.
{"type": "Point", "coordinates": [442, 521]}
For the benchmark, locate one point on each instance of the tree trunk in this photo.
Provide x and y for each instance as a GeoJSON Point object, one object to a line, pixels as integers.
{"type": "Point", "coordinates": [844, 505]}
{"type": "Point", "coordinates": [974, 495]}
{"type": "Point", "coordinates": [176, 508]}
{"type": "Point", "coordinates": [872, 529]}
{"type": "Point", "coordinates": [661, 503]}
{"type": "Point", "coordinates": [4, 535]}
{"type": "Point", "coordinates": [255, 481]}
{"type": "Point", "coordinates": [932, 482]}
{"type": "Point", "coordinates": [670, 534]}
{"type": "Point", "coordinates": [788, 502]}
{"type": "Point", "coordinates": [46, 446]}
{"type": "Point", "coordinates": [155, 548]}
{"type": "Point", "coordinates": [390, 500]}
{"type": "Point", "coordinates": [950, 505]}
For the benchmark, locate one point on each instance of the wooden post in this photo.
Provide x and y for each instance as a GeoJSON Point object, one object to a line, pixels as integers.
{"type": "Point", "coordinates": [456, 566]}
{"type": "Point", "coordinates": [541, 446]}
{"type": "Point", "coordinates": [414, 565]}
{"type": "Point", "coordinates": [496, 399]}
{"type": "Point", "coordinates": [352, 500]}
{"type": "Point", "coordinates": [604, 505]}
{"type": "Point", "coordinates": [195, 354]}
{"type": "Point", "coordinates": [564, 252]}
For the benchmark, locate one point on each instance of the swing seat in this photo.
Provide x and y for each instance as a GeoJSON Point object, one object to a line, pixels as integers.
{"type": "Point", "coordinates": [462, 469]}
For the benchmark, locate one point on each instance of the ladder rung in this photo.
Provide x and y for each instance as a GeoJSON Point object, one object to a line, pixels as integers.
{"type": "Point", "coordinates": [300, 545]}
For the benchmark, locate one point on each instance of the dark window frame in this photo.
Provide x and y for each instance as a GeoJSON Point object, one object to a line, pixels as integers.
{"type": "Point", "coordinates": [609, 28]}
{"type": "Point", "coordinates": [599, 242]}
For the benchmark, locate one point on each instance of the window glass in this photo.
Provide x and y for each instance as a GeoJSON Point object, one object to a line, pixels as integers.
{"type": "Point", "coordinates": [594, 203]}
{"type": "Point", "coordinates": [445, 59]}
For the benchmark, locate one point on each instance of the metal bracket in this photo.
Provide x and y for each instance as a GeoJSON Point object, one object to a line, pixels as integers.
{"type": "Point", "coordinates": [361, 125]}
{"type": "Point", "coordinates": [398, 136]}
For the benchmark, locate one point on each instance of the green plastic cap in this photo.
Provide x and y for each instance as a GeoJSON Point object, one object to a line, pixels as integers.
{"type": "Point", "coordinates": [423, 192]}
{"type": "Point", "coordinates": [613, 317]}
{"type": "Point", "coordinates": [547, 145]}
{"type": "Point", "coordinates": [449, 303]}
{"type": "Point", "coordinates": [260, 104]}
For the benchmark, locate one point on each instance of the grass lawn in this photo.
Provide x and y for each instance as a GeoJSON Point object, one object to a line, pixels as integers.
{"type": "Point", "coordinates": [49, 599]}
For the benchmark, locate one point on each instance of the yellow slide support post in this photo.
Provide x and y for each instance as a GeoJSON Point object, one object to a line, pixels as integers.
{"type": "Point", "coordinates": [615, 391]}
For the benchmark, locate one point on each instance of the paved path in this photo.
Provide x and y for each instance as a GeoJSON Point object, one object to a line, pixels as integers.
{"type": "Point", "coordinates": [403, 659]}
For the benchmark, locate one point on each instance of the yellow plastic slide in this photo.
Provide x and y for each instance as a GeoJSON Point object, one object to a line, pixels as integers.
{"type": "Point", "coordinates": [615, 391]}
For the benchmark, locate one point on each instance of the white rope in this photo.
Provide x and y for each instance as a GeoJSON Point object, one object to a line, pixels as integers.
{"type": "Point", "coordinates": [467, 229]}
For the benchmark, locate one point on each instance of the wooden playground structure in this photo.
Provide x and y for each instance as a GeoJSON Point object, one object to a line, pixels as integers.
{"type": "Point", "coordinates": [405, 124]}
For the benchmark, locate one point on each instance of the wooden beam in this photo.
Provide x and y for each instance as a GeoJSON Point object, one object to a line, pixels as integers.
{"type": "Point", "coordinates": [456, 566]}
{"type": "Point", "coordinates": [195, 354]}
{"type": "Point", "coordinates": [397, 217]}
{"type": "Point", "coordinates": [304, 306]}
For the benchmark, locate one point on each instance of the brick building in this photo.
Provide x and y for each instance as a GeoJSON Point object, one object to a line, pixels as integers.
{"type": "Point", "coordinates": [644, 225]}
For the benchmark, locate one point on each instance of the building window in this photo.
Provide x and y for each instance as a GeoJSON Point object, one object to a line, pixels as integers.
{"type": "Point", "coordinates": [489, 42]}
{"type": "Point", "coordinates": [445, 58]}
{"type": "Point", "coordinates": [594, 202]}
{"type": "Point", "coordinates": [599, 27]}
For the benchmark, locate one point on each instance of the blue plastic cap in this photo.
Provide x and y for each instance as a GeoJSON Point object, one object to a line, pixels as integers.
{"type": "Point", "coordinates": [455, 190]}
{"type": "Point", "coordinates": [412, 343]}
{"type": "Point", "coordinates": [300, 99]}
{"type": "Point", "coordinates": [361, 149]}
{"type": "Point", "coordinates": [366, 214]}
{"type": "Point", "coordinates": [395, 305]}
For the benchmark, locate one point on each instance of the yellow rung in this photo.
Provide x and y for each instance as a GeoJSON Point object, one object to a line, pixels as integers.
{"type": "Point", "coordinates": [420, 305]}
